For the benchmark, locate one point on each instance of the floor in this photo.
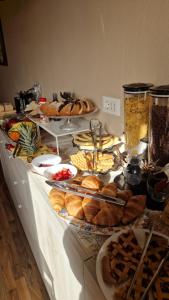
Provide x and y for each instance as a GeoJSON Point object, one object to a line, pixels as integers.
{"type": "Point", "coordinates": [19, 275]}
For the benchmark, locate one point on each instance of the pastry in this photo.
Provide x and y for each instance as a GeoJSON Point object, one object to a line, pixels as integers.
{"type": "Point", "coordinates": [134, 208]}
{"type": "Point", "coordinates": [109, 215]}
{"type": "Point", "coordinates": [124, 255]}
{"type": "Point", "coordinates": [91, 208]}
{"type": "Point", "coordinates": [123, 258]}
{"type": "Point", "coordinates": [8, 106]}
{"type": "Point", "coordinates": [73, 205]}
{"type": "Point", "coordinates": [110, 189]}
{"type": "Point", "coordinates": [88, 106]}
{"type": "Point", "coordinates": [65, 109]}
{"type": "Point", "coordinates": [91, 182]}
{"type": "Point", "coordinates": [49, 109]}
{"type": "Point", "coordinates": [1, 108]}
{"type": "Point", "coordinates": [125, 195]}
{"type": "Point", "coordinates": [77, 108]}
{"type": "Point", "coordinates": [57, 199]}
{"type": "Point", "coordinates": [98, 212]}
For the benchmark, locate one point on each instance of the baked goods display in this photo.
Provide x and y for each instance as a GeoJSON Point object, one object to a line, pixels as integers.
{"type": "Point", "coordinates": [99, 212]}
{"type": "Point", "coordinates": [85, 142]}
{"type": "Point", "coordinates": [84, 161]}
{"type": "Point", "coordinates": [6, 107]}
{"type": "Point", "coordinates": [68, 108]}
{"type": "Point", "coordinates": [119, 262]}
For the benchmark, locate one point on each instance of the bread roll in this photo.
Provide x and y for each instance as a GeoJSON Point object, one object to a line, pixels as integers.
{"type": "Point", "coordinates": [57, 199]}
{"type": "Point", "coordinates": [91, 182]}
{"type": "Point", "coordinates": [73, 205]}
{"type": "Point", "coordinates": [91, 208]}
{"type": "Point", "coordinates": [110, 189]}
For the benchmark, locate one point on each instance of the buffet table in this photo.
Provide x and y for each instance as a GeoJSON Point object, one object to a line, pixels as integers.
{"type": "Point", "coordinates": [65, 254]}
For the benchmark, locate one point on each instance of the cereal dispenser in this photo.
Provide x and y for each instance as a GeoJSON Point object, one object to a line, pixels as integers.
{"type": "Point", "coordinates": [136, 115]}
{"type": "Point", "coordinates": [159, 125]}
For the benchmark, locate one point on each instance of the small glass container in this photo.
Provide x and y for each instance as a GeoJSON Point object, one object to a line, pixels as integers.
{"type": "Point", "coordinates": [159, 126]}
{"type": "Point", "coordinates": [136, 113]}
{"type": "Point", "coordinates": [132, 172]}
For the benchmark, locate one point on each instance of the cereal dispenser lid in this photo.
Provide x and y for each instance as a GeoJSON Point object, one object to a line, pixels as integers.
{"type": "Point", "coordinates": [161, 90]}
{"type": "Point", "coordinates": [137, 87]}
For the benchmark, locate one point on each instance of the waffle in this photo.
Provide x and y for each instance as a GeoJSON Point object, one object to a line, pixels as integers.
{"type": "Point", "coordinates": [84, 161]}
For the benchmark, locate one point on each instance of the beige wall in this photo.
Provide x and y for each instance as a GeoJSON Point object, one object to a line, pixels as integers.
{"type": "Point", "coordinates": [90, 47]}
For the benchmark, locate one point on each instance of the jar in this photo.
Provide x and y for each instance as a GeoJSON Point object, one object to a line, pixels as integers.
{"type": "Point", "coordinates": [133, 172]}
{"type": "Point", "coordinates": [136, 114]}
{"type": "Point", "coordinates": [159, 125]}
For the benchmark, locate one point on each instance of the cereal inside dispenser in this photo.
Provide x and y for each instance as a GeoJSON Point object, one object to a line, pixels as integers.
{"type": "Point", "coordinates": [136, 115]}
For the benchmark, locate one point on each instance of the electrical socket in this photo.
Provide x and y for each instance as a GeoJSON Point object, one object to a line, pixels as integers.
{"type": "Point", "coordinates": [111, 105]}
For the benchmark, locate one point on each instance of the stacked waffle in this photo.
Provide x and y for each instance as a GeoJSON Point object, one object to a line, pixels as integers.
{"type": "Point", "coordinates": [84, 161]}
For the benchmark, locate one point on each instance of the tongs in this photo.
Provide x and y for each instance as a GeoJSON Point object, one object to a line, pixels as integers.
{"type": "Point", "coordinates": [140, 262]}
{"type": "Point", "coordinates": [84, 192]}
{"type": "Point", "coordinates": [163, 260]}
{"type": "Point", "coordinates": [95, 127]}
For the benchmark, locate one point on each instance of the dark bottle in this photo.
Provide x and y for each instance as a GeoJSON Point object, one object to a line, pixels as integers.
{"type": "Point", "coordinates": [133, 172]}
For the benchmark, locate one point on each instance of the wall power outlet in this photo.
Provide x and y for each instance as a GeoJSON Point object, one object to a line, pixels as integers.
{"type": "Point", "coordinates": [111, 105]}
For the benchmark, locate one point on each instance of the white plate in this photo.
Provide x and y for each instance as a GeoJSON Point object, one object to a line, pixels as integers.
{"type": "Point", "coordinates": [52, 170]}
{"type": "Point", "coordinates": [107, 290]}
{"type": "Point", "coordinates": [45, 159]}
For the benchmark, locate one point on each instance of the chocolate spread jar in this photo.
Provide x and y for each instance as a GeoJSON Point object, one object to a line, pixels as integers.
{"type": "Point", "coordinates": [159, 125]}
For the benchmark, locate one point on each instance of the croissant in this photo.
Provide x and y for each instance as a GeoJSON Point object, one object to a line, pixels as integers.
{"type": "Point", "coordinates": [125, 195]}
{"type": "Point", "coordinates": [110, 189]}
{"type": "Point", "coordinates": [135, 206]}
{"type": "Point", "coordinates": [90, 208]}
{"type": "Point", "coordinates": [73, 205]}
{"type": "Point", "coordinates": [109, 215]}
{"type": "Point", "coordinates": [91, 182]}
{"type": "Point", "coordinates": [57, 199]}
